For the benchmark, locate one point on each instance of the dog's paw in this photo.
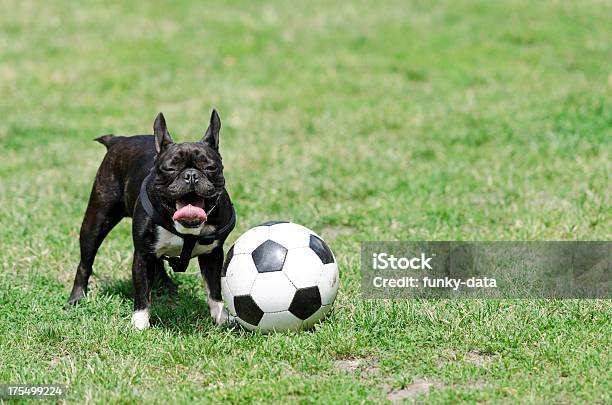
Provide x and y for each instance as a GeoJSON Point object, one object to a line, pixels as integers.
{"type": "Point", "coordinates": [219, 314]}
{"type": "Point", "coordinates": [75, 296]}
{"type": "Point", "coordinates": [140, 319]}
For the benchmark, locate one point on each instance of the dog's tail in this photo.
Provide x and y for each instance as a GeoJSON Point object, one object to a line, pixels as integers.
{"type": "Point", "coordinates": [106, 140]}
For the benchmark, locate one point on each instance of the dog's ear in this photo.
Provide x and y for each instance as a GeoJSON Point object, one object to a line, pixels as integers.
{"type": "Point", "coordinates": [211, 136]}
{"type": "Point", "coordinates": [162, 137]}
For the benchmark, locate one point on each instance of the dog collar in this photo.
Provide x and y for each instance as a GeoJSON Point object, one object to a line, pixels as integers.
{"type": "Point", "coordinates": [180, 264]}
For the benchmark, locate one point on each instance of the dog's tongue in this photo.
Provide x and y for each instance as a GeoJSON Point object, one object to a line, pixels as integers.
{"type": "Point", "coordinates": [189, 212]}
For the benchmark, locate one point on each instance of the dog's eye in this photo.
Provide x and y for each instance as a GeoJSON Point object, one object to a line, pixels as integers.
{"type": "Point", "coordinates": [210, 168]}
{"type": "Point", "coordinates": [168, 169]}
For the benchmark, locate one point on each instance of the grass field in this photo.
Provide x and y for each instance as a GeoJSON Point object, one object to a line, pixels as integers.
{"type": "Point", "coordinates": [452, 120]}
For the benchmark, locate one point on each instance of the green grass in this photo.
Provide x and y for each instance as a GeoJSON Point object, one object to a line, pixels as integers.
{"type": "Point", "coordinates": [452, 120]}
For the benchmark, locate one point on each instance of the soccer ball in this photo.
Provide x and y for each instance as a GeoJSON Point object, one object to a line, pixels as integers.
{"type": "Point", "coordinates": [279, 276]}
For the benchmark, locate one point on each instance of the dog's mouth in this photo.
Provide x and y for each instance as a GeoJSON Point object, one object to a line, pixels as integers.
{"type": "Point", "coordinates": [190, 210]}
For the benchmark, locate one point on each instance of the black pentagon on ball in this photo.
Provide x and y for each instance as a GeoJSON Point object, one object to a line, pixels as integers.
{"type": "Point", "coordinates": [321, 249]}
{"type": "Point", "coordinates": [306, 302]}
{"type": "Point", "coordinates": [273, 222]}
{"type": "Point", "coordinates": [247, 309]}
{"type": "Point", "coordinates": [269, 256]}
{"type": "Point", "coordinates": [228, 259]}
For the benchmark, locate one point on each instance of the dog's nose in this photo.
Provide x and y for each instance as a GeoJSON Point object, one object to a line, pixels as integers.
{"type": "Point", "coordinates": [191, 176]}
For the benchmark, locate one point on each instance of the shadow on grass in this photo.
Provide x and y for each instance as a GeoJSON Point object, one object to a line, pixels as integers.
{"type": "Point", "coordinates": [183, 312]}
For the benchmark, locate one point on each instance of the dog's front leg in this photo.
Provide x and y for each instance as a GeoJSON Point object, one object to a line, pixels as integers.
{"type": "Point", "coordinates": [143, 271]}
{"type": "Point", "coordinates": [210, 267]}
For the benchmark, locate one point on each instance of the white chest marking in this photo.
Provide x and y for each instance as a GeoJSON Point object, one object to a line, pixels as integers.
{"type": "Point", "coordinates": [171, 245]}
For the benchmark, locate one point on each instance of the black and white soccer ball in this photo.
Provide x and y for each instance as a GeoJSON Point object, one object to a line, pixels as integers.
{"type": "Point", "coordinates": [279, 276]}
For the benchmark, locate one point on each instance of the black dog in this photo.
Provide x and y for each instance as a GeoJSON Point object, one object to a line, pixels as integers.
{"type": "Point", "coordinates": [175, 194]}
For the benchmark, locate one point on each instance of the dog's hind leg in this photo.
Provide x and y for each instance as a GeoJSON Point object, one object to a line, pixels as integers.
{"type": "Point", "coordinates": [102, 214]}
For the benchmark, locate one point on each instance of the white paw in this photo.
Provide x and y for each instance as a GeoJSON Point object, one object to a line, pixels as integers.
{"type": "Point", "coordinates": [140, 319]}
{"type": "Point", "coordinates": [218, 313]}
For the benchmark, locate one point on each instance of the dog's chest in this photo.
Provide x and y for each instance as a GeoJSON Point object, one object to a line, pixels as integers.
{"type": "Point", "coordinates": [169, 244]}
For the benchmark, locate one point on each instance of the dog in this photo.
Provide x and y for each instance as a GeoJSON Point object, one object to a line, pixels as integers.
{"type": "Point", "coordinates": [175, 194]}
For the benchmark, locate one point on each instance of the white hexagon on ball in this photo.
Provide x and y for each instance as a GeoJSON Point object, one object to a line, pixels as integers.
{"type": "Point", "coordinates": [290, 235]}
{"type": "Point", "coordinates": [241, 274]}
{"type": "Point", "coordinates": [251, 239]}
{"type": "Point", "coordinates": [303, 267]}
{"type": "Point", "coordinates": [279, 321]}
{"type": "Point", "coordinates": [272, 291]}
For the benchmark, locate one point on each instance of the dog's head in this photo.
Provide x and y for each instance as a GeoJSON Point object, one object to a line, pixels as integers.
{"type": "Point", "coordinates": [188, 177]}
